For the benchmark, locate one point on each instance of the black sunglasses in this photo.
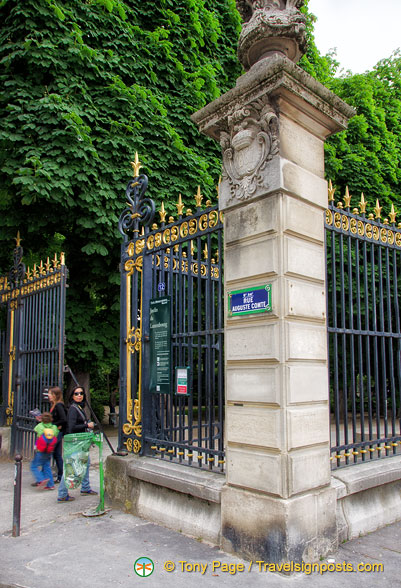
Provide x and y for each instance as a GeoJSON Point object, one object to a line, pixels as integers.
{"type": "Point", "coordinates": [78, 394]}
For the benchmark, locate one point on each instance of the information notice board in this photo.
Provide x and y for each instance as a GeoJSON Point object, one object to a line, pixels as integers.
{"type": "Point", "coordinates": [160, 345]}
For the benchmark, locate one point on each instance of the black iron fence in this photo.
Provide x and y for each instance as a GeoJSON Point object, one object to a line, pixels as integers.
{"type": "Point", "coordinates": [33, 348]}
{"type": "Point", "coordinates": [171, 368]}
{"type": "Point", "coordinates": [364, 335]}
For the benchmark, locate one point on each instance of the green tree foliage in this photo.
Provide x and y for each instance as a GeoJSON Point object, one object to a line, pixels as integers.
{"type": "Point", "coordinates": [367, 156]}
{"type": "Point", "coordinates": [84, 84]}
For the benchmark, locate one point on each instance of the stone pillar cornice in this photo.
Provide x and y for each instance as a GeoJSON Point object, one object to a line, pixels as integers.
{"type": "Point", "coordinates": [270, 77]}
{"type": "Point", "coordinates": [249, 123]}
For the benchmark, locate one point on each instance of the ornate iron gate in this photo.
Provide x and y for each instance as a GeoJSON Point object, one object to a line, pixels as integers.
{"type": "Point", "coordinates": [363, 281]}
{"type": "Point", "coordinates": [171, 366]}
{"type": "Point", "coordinates": [35, 302]}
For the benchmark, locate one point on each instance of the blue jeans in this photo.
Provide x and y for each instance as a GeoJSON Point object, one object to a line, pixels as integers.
{"type": "Point", "coordinates": [85, 487]}
{"type": "Point", "coordinates": [40, 467]}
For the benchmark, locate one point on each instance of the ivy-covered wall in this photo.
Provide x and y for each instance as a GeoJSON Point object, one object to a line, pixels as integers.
{"type": "Point", "coordinates": [84, 84]}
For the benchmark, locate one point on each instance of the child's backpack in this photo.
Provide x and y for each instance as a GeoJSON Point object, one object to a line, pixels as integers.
{"type": "Point", "coordinates": [46, 442]}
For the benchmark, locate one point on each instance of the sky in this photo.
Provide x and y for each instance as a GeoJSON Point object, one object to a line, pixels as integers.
{"type": "Point", "coordinates": [364, 31]}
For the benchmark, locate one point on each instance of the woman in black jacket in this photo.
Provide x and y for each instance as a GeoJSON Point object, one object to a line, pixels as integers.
{"type": "Point", "coordinates": [77, 423]}
{"type": "Point", "coordinates": [59, 416]}
{"type": "Point", "coordinates": [76, 420]}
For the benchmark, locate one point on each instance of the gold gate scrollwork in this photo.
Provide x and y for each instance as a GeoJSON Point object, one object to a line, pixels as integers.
{"type": "Point", "coordinates": [137, 428]}
{"type": "Point", "coordinates": [133, 343]}
{"type": "Point", "coordinates": [10, 410]}
{"type": "Point", "coordinates": [12, 352]}
{"type": "Point", "coordinates": [133, 340]}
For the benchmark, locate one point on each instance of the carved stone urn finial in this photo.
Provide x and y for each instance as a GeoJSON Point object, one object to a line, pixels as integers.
{"type": "Point", "coordinates": [271, 27]}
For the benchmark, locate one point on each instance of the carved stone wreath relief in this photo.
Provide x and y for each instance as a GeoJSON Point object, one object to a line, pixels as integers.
{"type": "Point", "coordinates": [250, 141]}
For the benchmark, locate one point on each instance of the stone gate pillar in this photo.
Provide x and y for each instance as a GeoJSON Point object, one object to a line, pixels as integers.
{"type": "Point", "coordinates": [277, 504]}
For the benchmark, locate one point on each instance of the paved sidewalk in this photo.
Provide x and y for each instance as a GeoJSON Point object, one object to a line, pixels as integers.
{"type": "Point", "coordinates": [58, 547]}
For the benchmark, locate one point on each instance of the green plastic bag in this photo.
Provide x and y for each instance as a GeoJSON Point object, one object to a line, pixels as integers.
{"type": "Point", "coordinates": [75, 456]}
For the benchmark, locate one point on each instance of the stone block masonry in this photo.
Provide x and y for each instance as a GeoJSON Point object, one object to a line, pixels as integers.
{"type": "Point", "coordinates": [277, 503]}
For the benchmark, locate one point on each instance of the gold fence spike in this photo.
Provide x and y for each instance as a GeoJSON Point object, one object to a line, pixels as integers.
{"type": "Point", "coordinates": [136, 165]}
{"type": "Point", "coordinates": [392, 214]}
{"type": "Point", "coordinates": [47, 265]}
{"type": "Point", "coordinates": [18, 240]}
{"type": "Point", "coordinates": [28, 273]}
{"type": "Point", "coordinates": [41, 268]}
{"type": "Point", "coordinates": [218, 187]}
{"type": "Point", "coordinates": [362, 204]}
{"type": "Point", "coordinates": [62, 258]}
{"type": "Point", "coordinates": [198, 198]}
{"type": "Point", "coordinates": [180, 205]}
{"type": "Point", "coordinates": [377, 209]}
{"type": "Point", "coordinates": [331, 191]}
{"type": "Point", "coordinates": [143, 231]}
{"type": "Point", "coordinates": [54, 260]}
{"type": "Point", "coordinates": [217, 256]}
{"type": "Point", "coordinates": [205, 252]}
{"type": "Point", "coordinates": [347, 198]}
{"type": "Point", "coordinates": [192, 248]}
{"type": "Point", "coordinates": [162, 213]}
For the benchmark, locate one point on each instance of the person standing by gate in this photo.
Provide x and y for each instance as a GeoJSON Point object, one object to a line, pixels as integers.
{"type": "Point", "coordinates": [57, 410]}
{"type": "Point", "coordinates": [77, 423]}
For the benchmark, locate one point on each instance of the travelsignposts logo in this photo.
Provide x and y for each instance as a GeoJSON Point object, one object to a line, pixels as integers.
{"type": "Point", "coordinates": [144, 566]}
